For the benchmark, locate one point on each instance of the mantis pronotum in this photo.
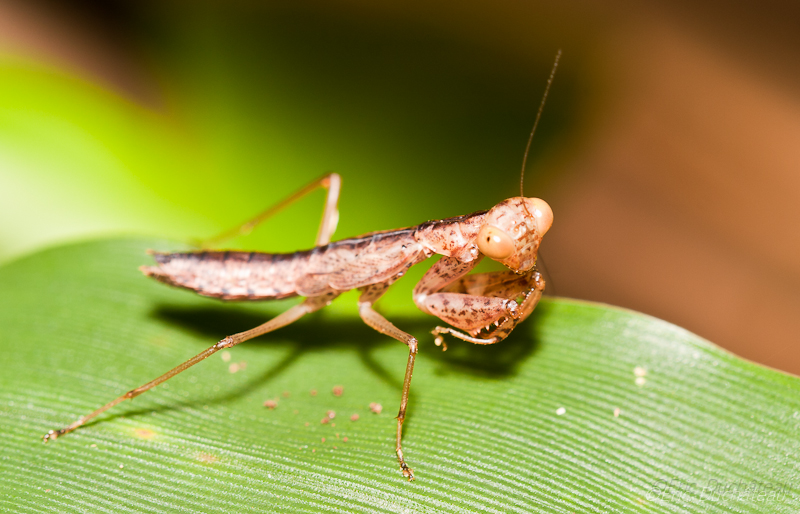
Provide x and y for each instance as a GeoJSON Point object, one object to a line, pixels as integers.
{"type": "Point", "coordinates": [484, 308]}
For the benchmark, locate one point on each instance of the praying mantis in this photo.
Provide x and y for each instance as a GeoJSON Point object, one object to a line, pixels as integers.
{"type": "Point", "coordinates": [480, 308]}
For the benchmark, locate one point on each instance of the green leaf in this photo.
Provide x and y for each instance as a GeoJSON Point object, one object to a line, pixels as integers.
{"type": "Point", "coordinates": [526, 425]}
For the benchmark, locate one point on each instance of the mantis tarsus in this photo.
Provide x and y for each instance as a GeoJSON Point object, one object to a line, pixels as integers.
{"type": "Point", "coordinates": [484, 308]}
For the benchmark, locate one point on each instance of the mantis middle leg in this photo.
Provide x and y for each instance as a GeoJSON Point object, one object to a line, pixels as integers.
{"type": "Point", "coordinates": [369, 296]}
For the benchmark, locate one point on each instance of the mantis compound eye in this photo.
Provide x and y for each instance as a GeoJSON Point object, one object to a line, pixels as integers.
{"type": "Point", "coordinates": [495, 243]}
{"type": "Point", "coordinates": [542, 213]}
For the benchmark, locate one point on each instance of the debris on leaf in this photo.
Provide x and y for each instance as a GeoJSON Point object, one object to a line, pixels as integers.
{"type": "Point", "coordinates": [237, 366]}
{"type": "Point", "coordinates": [640, 372]}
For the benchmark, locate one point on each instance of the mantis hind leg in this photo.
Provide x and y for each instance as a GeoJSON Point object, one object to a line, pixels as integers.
{"type": "Point", "coordinates": [281, 320]}
{"type": "Point", "coordinates": [330, 215]}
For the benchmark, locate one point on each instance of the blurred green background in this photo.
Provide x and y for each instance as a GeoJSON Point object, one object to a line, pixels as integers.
{"type": "Point", "coordinates": [667, 148]}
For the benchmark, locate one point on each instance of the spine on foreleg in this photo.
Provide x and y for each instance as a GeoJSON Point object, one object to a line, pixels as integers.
{"type": "Point", "coordinates": [230, 275]}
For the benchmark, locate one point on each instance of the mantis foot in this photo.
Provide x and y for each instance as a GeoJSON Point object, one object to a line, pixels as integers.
{"type": "Point", "coordinates": [407, 472]}
{"type": "Point", "coordinates": [54, 434]}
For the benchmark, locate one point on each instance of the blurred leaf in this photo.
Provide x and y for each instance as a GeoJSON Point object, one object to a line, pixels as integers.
{"type": "Point", "coordinates": [526, 425]}
{"type": "Point", "coordinates": [76, 159]}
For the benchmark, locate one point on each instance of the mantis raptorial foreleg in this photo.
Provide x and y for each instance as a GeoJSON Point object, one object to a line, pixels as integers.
{"type": "Point", "coordinates": [369, 295]}
{"type": "Point", "coordinates": [330, 216]}
{"type": "Point", "coordinates": [521, 303]}
{"type": "Point", "coordinates": [486, 306]}
{"type": "Point", "coordinates": [281, 320]}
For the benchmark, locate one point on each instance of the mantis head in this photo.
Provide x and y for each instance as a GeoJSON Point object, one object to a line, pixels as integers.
{"type": "Point", "coordinates": [512, 231]}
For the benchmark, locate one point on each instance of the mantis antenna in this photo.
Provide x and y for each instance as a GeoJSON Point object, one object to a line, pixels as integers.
{"type": "Point", "coordinates": [535, 124]}
{"type": "Point", "coordinates": [528, 147]}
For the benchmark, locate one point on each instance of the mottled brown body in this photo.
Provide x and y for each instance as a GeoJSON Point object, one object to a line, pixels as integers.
{"type": "Point", "coordinates": [333, 268]}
